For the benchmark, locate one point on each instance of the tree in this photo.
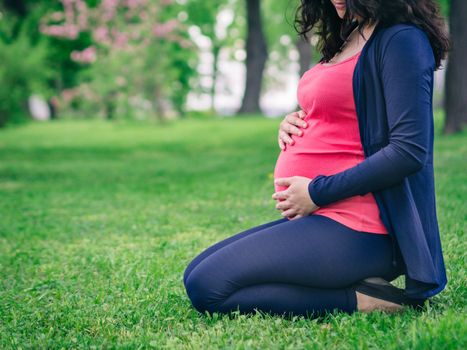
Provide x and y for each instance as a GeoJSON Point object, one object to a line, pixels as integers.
{"type": "Point", "coordinates": [16, 6]}
{"type": "Point", "coordinates": [136, 53]}
{"type": "Point", "coordinates": [256, 56]}
{"type": "Point", "coordinates": [30, 14]}
{"type": "Point", "coordinates": [284, 43]}
{"type": "Point", "coordinates": [305, 54]}
{"type": "Point", "coordinates": [205, 15]}
{"type": "Point", "coordinates": [23, 71]}
{"type": "Point", "coordinates": [456, 74]}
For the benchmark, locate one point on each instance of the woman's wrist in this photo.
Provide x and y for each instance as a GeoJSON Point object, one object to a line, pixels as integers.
{"type": "Point", "coordinates": [313, 192]}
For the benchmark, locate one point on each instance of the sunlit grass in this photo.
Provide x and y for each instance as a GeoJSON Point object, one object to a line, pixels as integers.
{"type": "Point", "coordinates": [99, 220]}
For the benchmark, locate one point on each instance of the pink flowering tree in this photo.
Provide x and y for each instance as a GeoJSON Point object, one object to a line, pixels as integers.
{"type": "Point", "coordinates": [134, 55]}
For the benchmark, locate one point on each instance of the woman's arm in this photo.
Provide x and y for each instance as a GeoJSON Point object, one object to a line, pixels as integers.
{"type": "Point", "coordinates": [407, 76]}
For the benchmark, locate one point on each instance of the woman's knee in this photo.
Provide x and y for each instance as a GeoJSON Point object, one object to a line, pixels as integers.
{"type": "Point", "coordinates": [206, 289]}
{"type": "Point", "coordinates": [188, 270]}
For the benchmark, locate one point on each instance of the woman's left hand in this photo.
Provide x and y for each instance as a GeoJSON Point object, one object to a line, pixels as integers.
{"type": "Point", "coordinates": [295, 202]}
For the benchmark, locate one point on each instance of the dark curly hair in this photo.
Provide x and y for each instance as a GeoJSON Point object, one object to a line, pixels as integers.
{"type": "Point", "coordinates": [332, 30]}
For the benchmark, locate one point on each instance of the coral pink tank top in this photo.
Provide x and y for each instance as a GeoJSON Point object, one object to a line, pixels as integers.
{"type": "Point", "coordinates": [331, 142]}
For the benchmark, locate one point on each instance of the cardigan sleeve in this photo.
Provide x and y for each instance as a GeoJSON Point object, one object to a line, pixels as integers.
{"type": "Point", "coordinates": [406, 72]}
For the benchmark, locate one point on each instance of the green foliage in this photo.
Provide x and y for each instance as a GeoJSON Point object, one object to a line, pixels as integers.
{"type": "Point", "coordinates": [45, 66]}
{"type": "Point", "coordinates": [278, 18]}
{"type": "Point", "coordinates": [126, 85]}
{"type": "Point", "coordinates": [180, 69]}
{"type": "Point", "coordinates": [99, 221]}
{"type": "Point", "coordinates": [209, 17]}
{"type": "Point", "coordinates": [142, 62]}
{"type": "Point", "coordinates": [161, 76]}
{"type": "Point", "coordinates": [445, 5]}
{"type": "Point", "coordinates": [23, 72]}
{"type": "Point", "coordinates": [203, 14]}
{"type": "Point", "coordinates": [103, 89]}
{"type": "Point", "coordinates": [66, 71]}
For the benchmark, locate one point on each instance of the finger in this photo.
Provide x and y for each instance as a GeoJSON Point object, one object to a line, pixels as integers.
{"type": "Point", "coordinates": [292, 114]}
{"type": "Point", "coordinates": [301, 114]}
{"type": "Point", "coordinates": [286, 138]}
{"type": "Point", "coordinates": [283, 205]}
{"type": "Point", "coordinates": [281, 195]}
{"type": "Point", "coordinates": [289, 212]}
{"type": "Point", "coordinates": [283, 181]}
{"type": "Point", "coordinates": [288, 123]}
{"type": "Point", "coordinates": [281, 144]}
{"type": "Point", "coordinates": [296, 121]}
{"type": "Point", "coordinates": [298, 216]}
{"type": "Point", "coordinates": [290, 128]}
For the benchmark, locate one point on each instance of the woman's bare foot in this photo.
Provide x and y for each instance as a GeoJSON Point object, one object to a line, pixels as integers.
{"type": "Point", "coordinates": [365, 303]}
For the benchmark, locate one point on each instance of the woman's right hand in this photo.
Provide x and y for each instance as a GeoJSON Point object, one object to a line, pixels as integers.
{"type": "Point", "coordinates": [290, 126]}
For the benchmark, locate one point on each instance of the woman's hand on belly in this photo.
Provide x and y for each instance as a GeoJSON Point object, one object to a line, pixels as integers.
{"type": "Point", "coordinates": [295, 202]}
{"type": "Point", "coordinates": [290, 126]}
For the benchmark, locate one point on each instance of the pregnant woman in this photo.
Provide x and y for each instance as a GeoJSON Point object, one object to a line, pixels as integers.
{"type": "Point", "coordinates": [354, 180]}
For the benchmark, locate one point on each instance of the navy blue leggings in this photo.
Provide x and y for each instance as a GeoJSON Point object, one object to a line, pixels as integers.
{"type": "Point", "coordinates": [304, 266]}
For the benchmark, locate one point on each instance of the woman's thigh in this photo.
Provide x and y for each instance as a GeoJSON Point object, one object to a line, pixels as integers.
{"type": "Point", "coordinates": [313, 251]}
{"type": "Point", "coordinates": [208, 251]}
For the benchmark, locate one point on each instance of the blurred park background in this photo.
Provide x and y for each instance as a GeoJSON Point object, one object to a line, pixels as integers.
{"type": "Point", "coordinates": [136, 133]}
{"type": "Point", "coordinates": [162, 59]}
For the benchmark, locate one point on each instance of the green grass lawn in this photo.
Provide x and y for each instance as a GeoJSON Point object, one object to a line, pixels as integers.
{"type": "Point", "coordinates": [99, 220]}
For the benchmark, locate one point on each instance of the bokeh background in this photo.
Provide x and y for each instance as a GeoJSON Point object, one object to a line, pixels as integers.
{"type": "Point", "coordinates": [161, 59]}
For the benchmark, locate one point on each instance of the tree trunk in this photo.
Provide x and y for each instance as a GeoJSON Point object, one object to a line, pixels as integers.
{"type": "Point", "coordinates": [305, 54]}
{"type": "Point", "coordinates": [17, 6]}
{"type": "Point", "coordinates": [215, 52]}
{"type": "Point", "coordinates": [456, 73]}
{"type": "Point", "coordinates": [304, 51]}
{"type": "Point", "coordinates": [256, 56]}
{"type": "Point", "coordinates": [158, 104]}
{"type": "Point", "coordinates": [109, 108]}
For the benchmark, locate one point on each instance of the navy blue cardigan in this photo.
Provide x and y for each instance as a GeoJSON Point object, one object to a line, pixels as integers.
{"type": "Point", "coordinates": [393, 92]}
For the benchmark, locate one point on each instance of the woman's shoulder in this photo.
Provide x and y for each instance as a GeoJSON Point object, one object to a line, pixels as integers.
{"type": "Point", "coordinates": [402, 32]}
{"type": "Point", "coordinates": [405, 39]}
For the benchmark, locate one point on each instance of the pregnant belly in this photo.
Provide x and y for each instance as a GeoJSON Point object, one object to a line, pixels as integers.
{"type": "Point", "coordinates": [293, 162]}
{"type": "Point", "coordinates": [358, 212]}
